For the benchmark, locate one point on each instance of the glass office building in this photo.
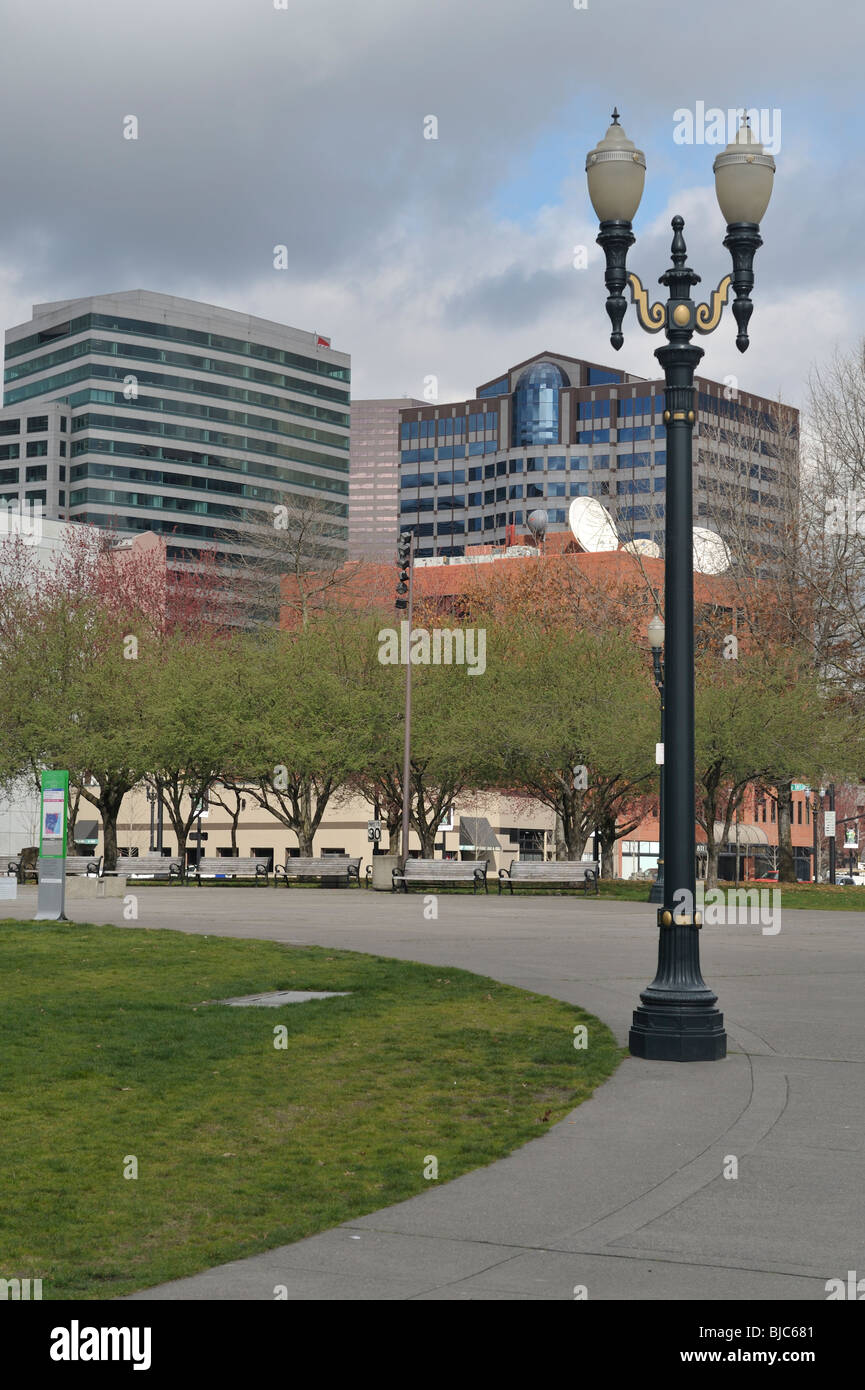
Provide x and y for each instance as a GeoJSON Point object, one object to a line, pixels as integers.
{"type": "Point", "coordinates": [554, 428]}
{"type": "Point", "coordinates": [167, 415]}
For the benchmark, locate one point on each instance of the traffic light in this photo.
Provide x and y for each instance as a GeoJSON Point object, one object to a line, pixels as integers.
{"type": "Point", "coordinates": [403, 552]}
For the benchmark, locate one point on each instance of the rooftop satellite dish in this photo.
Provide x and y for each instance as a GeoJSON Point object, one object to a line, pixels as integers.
{"type": "Point", "coordinates": [537, 522]}
{"type": "Point", "coordinates": [642, 546]}
{"type": "Point", "coordinates": [592, 525]}
{"type": "Point", "coordinates": [711, 555]}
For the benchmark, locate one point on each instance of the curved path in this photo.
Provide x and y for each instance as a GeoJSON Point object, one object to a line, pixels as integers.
{"type": "Point", "coordinates": [627, 1196]}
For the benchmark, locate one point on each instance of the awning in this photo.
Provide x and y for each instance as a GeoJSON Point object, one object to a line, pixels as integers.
{"type": "Point", "coordinates": [744, 833]}
{"type": "Point", "coordinates": [477, 833]}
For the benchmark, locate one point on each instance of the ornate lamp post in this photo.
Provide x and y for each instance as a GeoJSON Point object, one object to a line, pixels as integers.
{"type": "Point", "coordinates": [677, 1019]}
{"type": "Point", "coordinates": [656, 642]}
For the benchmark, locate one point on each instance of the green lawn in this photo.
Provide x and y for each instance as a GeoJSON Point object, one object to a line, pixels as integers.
{"type": "Point", "coordinates": [109, 1048]}
{"type": "Point", "coordinates": [814, 895]}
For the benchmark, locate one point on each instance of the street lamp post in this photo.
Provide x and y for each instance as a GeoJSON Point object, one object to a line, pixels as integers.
{"type": "Point", "coordinates": [405, 599]}
{"type": "Point", "coordinates": [656, 642]}
{"type": "Point", "coordinates": [677, 1019]}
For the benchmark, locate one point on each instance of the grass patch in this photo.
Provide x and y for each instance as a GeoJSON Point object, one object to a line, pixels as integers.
{"type": "Point", "coordinates": [819, 896]}
{"type": "Point", "coordinates": [110, 1048]}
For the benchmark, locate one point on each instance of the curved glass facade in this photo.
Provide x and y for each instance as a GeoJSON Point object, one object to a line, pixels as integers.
{"type": "Point", "coordinates": [536, 405]}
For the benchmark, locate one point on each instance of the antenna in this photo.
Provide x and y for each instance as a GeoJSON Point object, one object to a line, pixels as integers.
{"type": "Point", "coordinates": [592, 525]}
{"type": "Point", "coordinates": [537, 522]}
{"type": "Point", "coordinates": [711, 555]}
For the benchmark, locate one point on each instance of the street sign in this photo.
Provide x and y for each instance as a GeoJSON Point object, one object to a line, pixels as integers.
{"type": "Point", "coordinates": [830, 825]}
{"type": "Point", "coordinates": [194, 835]}
{"type": "Point", "coordinates": [659, 754]}
{"type": "Point", "coordinates": [799, 787]}
{"type": "Point", "coordinates": [373, 831]}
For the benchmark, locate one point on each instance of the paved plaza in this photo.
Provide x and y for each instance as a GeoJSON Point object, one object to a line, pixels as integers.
{"type": "Point", "coordinates": [627, 1195]}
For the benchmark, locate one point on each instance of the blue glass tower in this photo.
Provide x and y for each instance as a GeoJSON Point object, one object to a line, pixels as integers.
{"type": "Point", "coordinates": [536, 404]}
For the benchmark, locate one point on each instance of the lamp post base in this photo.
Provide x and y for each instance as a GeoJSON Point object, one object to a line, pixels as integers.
{"type": "Point", "coordinates": [656, 892]}
{"type": "Point", "coordinates": [677, 1034]}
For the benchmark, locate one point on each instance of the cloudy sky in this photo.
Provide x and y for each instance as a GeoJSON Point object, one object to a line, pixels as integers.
{"type": "Point", "coordinates": [303, 125]}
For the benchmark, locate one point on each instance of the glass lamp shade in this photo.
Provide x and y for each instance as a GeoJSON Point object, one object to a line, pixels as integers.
{"type": "Point", "coordinates": [744, 174]}
{"type": "Point", "coordinates": [656, 632]}
{"type": "Point", "coordinates": [616, 172]}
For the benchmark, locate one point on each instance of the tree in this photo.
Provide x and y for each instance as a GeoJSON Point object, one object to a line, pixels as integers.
{"type": "Point", "coordinates": [574, 714]}
{"type": "Point", "coordinates": [292, 563]}
{"type": "Point", "coordinates": [309, 722]}
{"type": "Point", "coordinates": [761, 719]}
{"type": "Point", "coordinates": [195, 720]}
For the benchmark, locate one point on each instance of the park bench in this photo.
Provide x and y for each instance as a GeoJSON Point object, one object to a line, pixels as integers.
{"type": "Point", "coordinates": [231, 866]}
{"type": "Point", "coordinates": [548, 871]}
{"type": "Point", "coordinates": [84, 864]}
{"type": "Point", "coordinates": [151, 866]}
{"type": "Point", "coordinates": [10, 865]}
{"type": "Point", "coordinates": [332, 866]}
{"type": "Point", "coordinates": [471, 871]}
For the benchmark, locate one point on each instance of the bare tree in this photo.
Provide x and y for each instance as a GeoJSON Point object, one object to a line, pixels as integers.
{"type": "Point", "coordinates": [291, 562]}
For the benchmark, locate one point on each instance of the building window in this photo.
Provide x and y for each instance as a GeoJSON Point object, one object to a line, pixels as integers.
{"type": "Point", "coordinates": [531, 844]}
{"type": "Point", "coordinates": [536, 404]}
{"type": "Point", "coordinates": [37, 423]}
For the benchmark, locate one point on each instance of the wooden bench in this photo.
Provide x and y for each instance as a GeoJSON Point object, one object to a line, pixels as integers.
{"type": "Point", "coordinates": [151, 865]}
{"type": "Point", "coordinates": [231, 866]}
{"type": "Point", "coordinates": [336, 866]}
{"type": "Point", "coordinates": [548, 871]}
{"type": "Point", "coordinates": [471, 871]}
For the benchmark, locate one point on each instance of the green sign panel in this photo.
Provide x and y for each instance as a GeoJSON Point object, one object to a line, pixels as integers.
{"type": "Point", "coordinates": [52, 821]}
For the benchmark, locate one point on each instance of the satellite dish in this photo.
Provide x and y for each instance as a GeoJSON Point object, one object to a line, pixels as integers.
{"type": "Point", "coordinates": [711, 555]}
{"type": "Point", "coordinates": [642, 546]}
{"type": "Point", "coordinates": [592, 525]}
{"type": "Point", "coordinates": [537, 522]}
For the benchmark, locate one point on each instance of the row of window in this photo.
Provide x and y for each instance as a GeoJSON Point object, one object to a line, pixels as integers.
{"type": "Point", "coordinates": [459, 527]}
{"type": "Point", "coordinates": [99, 372]}
{"type": "Point", "coordinates": [180, 359]}
{"type": "Point", "coordinates": [163, 453]}
{"type": "Point", "coordinates": [538, 463]}
{"type": "Point", "coordinates": [241, 442]}
{"type": "Point", "coordinates": [169, 333]}
{"type": "Point", "coordinates": [448, 426]}
{"type": "Point", "coordinates": [36, 424]}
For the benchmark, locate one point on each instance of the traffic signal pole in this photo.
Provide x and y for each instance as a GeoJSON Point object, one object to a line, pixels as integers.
{"type": "Point", "coordinates": [406, 560]}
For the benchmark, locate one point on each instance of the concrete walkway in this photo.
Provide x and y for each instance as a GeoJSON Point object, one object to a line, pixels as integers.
{"type": "Point", "coordinates": [627, 1196]}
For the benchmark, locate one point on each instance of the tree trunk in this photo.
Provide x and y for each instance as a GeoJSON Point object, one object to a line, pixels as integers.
{"type": "Point", "coordinates": [561, 850]}
{"type": "Point", "coordinates": [109, 833]}
{"type": "Point", "coordinates": [711, 861]}
{"type": "Point", "coordinates": [72, 814]}
{"type": "Point", "coordinates": [786, 863]}
{"type": "Point", "coordinates": [304, 839]}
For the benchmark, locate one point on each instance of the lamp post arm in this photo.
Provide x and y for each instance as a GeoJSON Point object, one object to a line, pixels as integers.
{"type": "Point", "coordinates": [709, 315]}
{"type": "Point", "coordinates": [652, 319]}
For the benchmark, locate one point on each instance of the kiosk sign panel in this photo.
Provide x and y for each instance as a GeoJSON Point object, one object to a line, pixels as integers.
{"type": "Point", "coordinates": [52, 846]}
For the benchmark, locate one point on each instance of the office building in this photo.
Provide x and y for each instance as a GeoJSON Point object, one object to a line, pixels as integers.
{"type": "Point", "coordinates": [554, 428]}
{"type": "Point", "coordinates": [373, 508]}
{"type": "Point", "coordinates": [154, 413]}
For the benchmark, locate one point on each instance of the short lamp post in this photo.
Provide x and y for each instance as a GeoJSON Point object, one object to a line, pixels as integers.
{"type": "Point", "coordinates": [677, 1019]}
{"type": "Point", "coordinates": [656, 642]}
